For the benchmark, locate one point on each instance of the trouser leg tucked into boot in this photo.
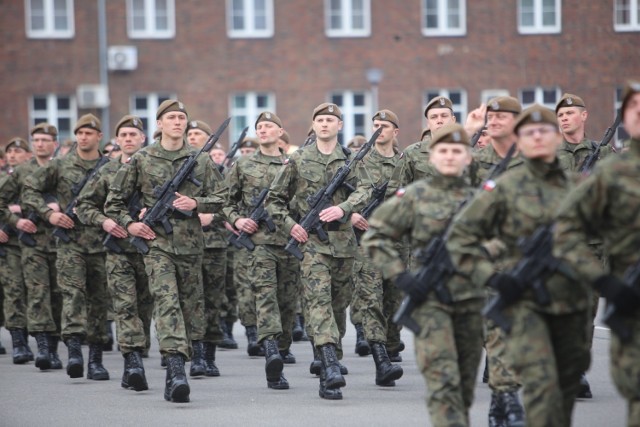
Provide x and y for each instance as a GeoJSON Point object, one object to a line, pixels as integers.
{"type": "Point", "coordinates": [210, 360]}
{"type": "Point", "coordinates": [176, 387]}
{"type": "Point", "coordinates": [20, 354]}
{"type": "Point", "coordinates": [75, 366]}
{"type": "Point", "coordinates": [386, 372]}
{"type": "Point", "coordinates": [316, 365]}
{"type": "Point", "coordinates": [197, 360]}
{"type": "Point", "coordinates": [56, 363]}
{"type": "Point", "coordinates": [362, 346]}
{"type": "Point", "coordinates": [274, 365]}
{"type": "Point", "coordinates": [328, 393]}
{"type": "Point", "coordinates": [25, 333]}
{"type": "Point", "coordinates": [228, 341]}
{"type": "Point", "coordinates": [96, 371]}
{"type": "Point", "coordinates": [334, 378]}
{"type": "Point", "coordinates": [253, 348]}
{"type": "Point", "coordinates": [42, 358]}
{"type": "Point", "coordinates": [134, 376]}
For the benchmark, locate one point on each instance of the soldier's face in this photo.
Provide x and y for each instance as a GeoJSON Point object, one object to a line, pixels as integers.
{"type": "Point", "coordinates": [539, 141]}
{"type": "Point", "coordinates": [326, 126]}
{"type": "Point", "coordinates": [632, 116]}
{"type": "Point", "coordinates": [245, 151]}
{"type": "Point", "coordinates": [173, 124]}
{"type": "Point", "coordinates": [197, 138]}
{"type": "Point", "coordinates": [484, 139]}
{"type": "Point", "coordinates": [438, 117]}
{"type": "Point", "coordinates": [217, 155]}
{"type": "Point", "coordinates": [88, 139]}
{"type": "Point", "coordinates": [43, 145]}
{"type": "Point", "coordinates": [268, 133]}
{"type": "Point", "coordinates": [572, 119]}
{"type": "Point", "coordinates": [130, 140]}
{"type": "Point", "coordinates": [449, 158]}
{"type": "Point", "coordinates": [16, 156]}
{"type": "Point", "coordinates": [500, 124]}
{"type": "Point", "coordinates": [389, 131]}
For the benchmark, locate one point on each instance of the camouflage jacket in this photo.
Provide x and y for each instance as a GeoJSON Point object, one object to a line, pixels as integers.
{"type": "Point", "coordinates": [58, 178]}
{"type": "Point", "coordinates": [421, 213]}
{"type": "Point", "coordinates": [378, 169]}
{"type": "Point", "coordinates": [484, 160]}
{"type": "Point", "coordinates": [151, 167]}
{"type": "Point", "coordinates": [412, 166]}
{"type": "Point", "coordinates": [521, 200]}
{"type": "Point", "coordinates": [572, 156]}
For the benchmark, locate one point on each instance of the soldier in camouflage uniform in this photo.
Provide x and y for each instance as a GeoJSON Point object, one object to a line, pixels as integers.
{"type": "Point", "coordinates": [450, 337]}
{"type": "Point", "coordinates": [80, 261]}
{"type": "Point", "coordinates": [547, 344]}
{"type": "Point", "coordinates": [272, 272]}
{"type": "Point", "coordinates": [127, 280]}
{"type": "Point", "coordinates": [327, 266]}
{"type": "Point", "coordinates": [606, 205]}
{"type": "Point", "coordinates": [174, 261]}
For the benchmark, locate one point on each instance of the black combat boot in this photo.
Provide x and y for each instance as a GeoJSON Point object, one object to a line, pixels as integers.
{"type": "Point", "coordinates": [328, 393]}
{"type": "Point", "coordinates": [362, 346]}
{"type": "Point", "coordinates": [298, 329]}
{"type": "Point", "coordinates": [316, 365]}
{"type": "Point", "coordinates": [253, 348]}
{"type": "Point", "coordinates": [197, 360]}
{"type": "Point", "coordinates": [56, 363]}
{"type": "Point", "coordinates": [25, 334]}
{"type": "Point", "coordinates": [210, 360]}
{"type": "Point", "coordinates": [42, 358]}
{"type": "Point", "coordinates": [108, 346]}
{"type": "Point", "coordinates": [394, 355]}
{"type": "Point", "coordinates": [95, 370]}
{"type": "Point", "coordinates": [228, 341]}
{"type": "Point", "coordinates": [287, 357]}
{"type": "Point", "coordinates": [75, 366]}
{"type": "Point", "coordinates": [386, 373]}
{"type": "Point", "coordinates": [274, 365]}
{"type": "Point", "coordinates": [513, 409]}
{"type": "Point", "coordinates": [334, 378]}
{"type": "Point", "coordinates": [20, 354]}
{"type": "Point", "coordinates": [497, 417]}
{"type": "Point", "coordinates": [133, 376]}
{"type": "Point", "coordinates": [485, 373]}
{"type": "Point", "coordinates": [585, 388]}
{"type": "Point", "coordinates": [3, 350]}
{"type": "Point", "coordinates": [176, 388]}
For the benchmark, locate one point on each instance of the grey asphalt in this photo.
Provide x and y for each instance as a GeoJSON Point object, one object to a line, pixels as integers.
{"type": "Point", "coordinates": [29, 397]}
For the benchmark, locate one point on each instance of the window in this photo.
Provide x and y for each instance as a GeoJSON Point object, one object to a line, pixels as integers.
{"type": "Point", "coordinates": [488, 94]}
{"type": "Point", "coordinates": [548, 97]}
{"type": "Point", "coordinates": [626, 15]}
{"type": "Point", "coordinates": [356, 109]}
{"type": "Point", "coordinates": [245, 108]}
{"type": "Point", "coordinates": [458, 98]}
{"type": "Point", "coordinates": [49, 19]}
{"type": "Point", "coordinates": [444, 17]}
{"type": "Point", "coordinates": [539, 16]}
{"type": "Point", "coordinates": [59, 110]}
{"type": "Point", "coordinates": [145, 107]}
{"type": "Point", "coordinates": [151, 19]}
{"type": "Point", "coordinates": [621, 133]}
{"type": "Point", "coordinates": [348, 18]}
{"type": "Point", "coordinates": [249, 18]}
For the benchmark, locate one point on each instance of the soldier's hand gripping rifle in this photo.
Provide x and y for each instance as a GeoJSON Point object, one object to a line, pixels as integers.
{"type": "Point", "coordinates": [377, 197]}
{"type": "Point", "coordinates": [258, 215]}
{"type": "Point", "coordinates": [591, 159]}
{"type": "Point", "coordinates": [162, 209]}
{"type": "Point", "coordinates": [134, 207]}
{"type": "Point", "coordinates": [228, 159]}
{"type": "Point", "coordinates": [616, 320]}
{"type": "Point", "coordinates": [324, 199]}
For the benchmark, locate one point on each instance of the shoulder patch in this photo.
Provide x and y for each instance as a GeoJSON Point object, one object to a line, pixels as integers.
{"type": "Point", "coordinates": [400, 192]}
{"type": "Point", "coordinates": [489, 185]}
{"type": "Point", "coordinates": [286, 161]}
{"type": "Point", "coordinates": [401, 155]}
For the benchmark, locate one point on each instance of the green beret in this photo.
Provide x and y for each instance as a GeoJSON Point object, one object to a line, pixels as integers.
{"type": "Point", "coordinates": [504, 103]}
{"type": "Point", "coordinates": [249, 142]}
{"type": "Point", "coordinates": [267, 116]}
{"type": "Point", "coordinates": [357, 141]}
{"type": "Point", "coordinates": [387, 115]}
{"type": "Point", "coordinates": [157, 134]}
{"type": "Point", "coordinates": [285, 137]}
{"type": "Point", "coordinates": [170, 105]}
{"type": "Point", "coordinates": [88, 121]}
{"type": "Point", "coordinates": [631, 87]}
{"type": "Point", "coordinates": [18, 142]}
{"type": "Point", "coordinates": [570, 100]}
{"type": "Point", "coordinates": [45, 128]}
{"type": "Point", "coordinates": [217, 146]}
{"type": "Point", "coordinates": [327, 109]}
{"type": "Point", "coordinates": [129, 121]}
{"type": "Point", "coordinates": [451, 133]}
{"type": "Point", "coordinates": [438, 102]}
{"type": "Point", "coordinates": [310, 131]}
{"type": "Point", "coordinates": [535, 114]}
{"type": "Point", "coordinates": [199, 124]}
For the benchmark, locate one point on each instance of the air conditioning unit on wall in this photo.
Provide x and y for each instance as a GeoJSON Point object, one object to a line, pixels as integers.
{"type": "Point", "coordinates": [92, 96]}
{"type": "Point", "coordinates": [122, 58]}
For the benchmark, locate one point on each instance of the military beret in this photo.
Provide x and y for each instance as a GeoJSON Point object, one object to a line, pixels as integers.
{"type": "Point", "coordinates": [45, 128]}
{"type": "Point", "coordinates": [535, 114]}
{"type": "Point", "coordinates": [157, 134]}
{"type": "Point", "coordinates": [451, 133]}
{"type": "Point", "coordinates": [217, 146]}
{"type": "Point", "coordinates": [285, 137]}
{"type": "Point", "coordinates": [18, 142]}
{"type": "Point", "coordinates": [425, 132]}
{"type": "Point", "coordinates": [630, 87]}
{"type": "Point", "coordinates": [357, 141]}
{"type": "Point", "coordinates": [129, 121]}
{"type": "Point", "coordinates": [387, 115]}
{"type": "Point", "coordinates": [327, 108]}
{"type": "Point", "coordinates": [438, 102]}
{"type": "Point", "coordinates": [88, 121]}
{"type": "Point", "coordinates": [504, 103]}
{"type": "Point", "coordinates": [310, 131]}
{"type": "Point", "coordinates": [249, 142]}
{"type": "Point", "coordinates": [569, 100]}
{"type": "Point", "coordinates": [170, 105]}
{"type": "Point", "coordinates": [268, 116]}
{"type": "Point", "coordinates": [199, 124]}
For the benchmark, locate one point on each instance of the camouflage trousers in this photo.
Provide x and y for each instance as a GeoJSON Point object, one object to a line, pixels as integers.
{"type": "Point", "coordinates": [502, 376]}
{"type": "Point", "coordinates": [357, 304]}
{"type": "Point", "coordinates": [175, 282]}
{"type": "Point", "coordinates": [625, 369]}
{"type": "Point", "coordinates": [44, 300]}
{"type": "Point", "coordinates": [83, 283]}
{"type": "Point", "coordinates": [327, 290]}
{"type": "Point", "coordinates": [549, 354]}
{"type": "Point", "coordinates": [274, 274]}
{"type": "Point", "coordinates": [244, 288]}
{"type": "Point", "coordinates": [229, 308]}
{"type": "Point", "coordinates": [214, 270]}
{"type": "Point", "coordinates": [132, 302]}
{"type": "Point", "coordinates": [448, 352]}
{"type": "Point", "coordinates": [15, 292]}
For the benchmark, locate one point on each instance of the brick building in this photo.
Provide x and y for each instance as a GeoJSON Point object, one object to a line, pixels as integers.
{"type": "Point", "coordinates": [63, 58]}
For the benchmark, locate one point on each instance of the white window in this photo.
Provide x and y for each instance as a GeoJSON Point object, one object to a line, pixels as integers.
{"type": "Point", "coordinates": [59, 110]}
{"type": "Point", "coordinates": [151, 19]}
{"type": "Point", "coordinates": [356, 114]}
{"type": "Point", "coordinates": [539, 16]}
{"type": "Point", "coordinates": [488, 94]}
{"type": "Point", "coordinates": [458, 99]}
{"type": "Point", "coordinates": [626, 15]}
{"type": "Point", "coordinates": [245, 108]}
{"type": "Point", "coordinates": [145, 107]}
{"type": "Point", "coordinates": [348, 18]}
{"type": "Point", "coordinates": [49, 19]}
{"type": "Point", "coordinates": [547, 96]}
{"type": "Point", "coordinates": [621, 133]}
{"type": "Point", "coordinates": [444, 17]}
{"type": "Point", "coordinates": [249, 18]}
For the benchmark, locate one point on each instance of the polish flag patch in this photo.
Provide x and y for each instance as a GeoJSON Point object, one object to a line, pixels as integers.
{"type": "Point", "coordinates": [400, 192]}
{"type": "Point", "coordinates": [489, 185]}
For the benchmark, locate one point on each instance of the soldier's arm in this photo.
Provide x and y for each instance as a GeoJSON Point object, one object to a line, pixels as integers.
{"type": "Point", "coordinates": [91, 200]}
{"type": "Point", "coordinates": [120, 190]}
{"type": "Point", "coordinates": [215, 194]}
{"type": "Point", "coordinates": [43, 180]}
{"type": "Point", "coordinates": [281, 192]}
{"type": "Point", "coordinates": [359, 198]}
{"type": "Point", "coordinates": [9, 192]}
{"type": "Point", "coordinates": [234, 186]}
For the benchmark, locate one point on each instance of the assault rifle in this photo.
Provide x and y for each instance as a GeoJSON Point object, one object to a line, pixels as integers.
{"type": "Point", "coordinates": [476, 136]}
{"type": "Point", "coordinates": [32, 216]}
{"type": "Point", "coordinates": [311, 139]}
{"type": "Point", "coordinates": [163, 208]}
{"type": "Point", "coordinates": [616, 321]}
{"type": "Point", "coordinates": [591, 159]}
{"type": "Point", "coordinates": [228, 159]}
{"type": "Point", "coordinates": [258, 215]}
{"type": "Point", "coordinates": [324, 199]}
{"type": "Point", "coordinates": [377, 197]}
{"type": "Point", "coordinates": [69, 211]}
{"type": "Point", "coordinates": [134, 207]}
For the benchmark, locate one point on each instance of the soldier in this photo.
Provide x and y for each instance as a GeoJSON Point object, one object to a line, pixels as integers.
{"type": "Point", "coordinates": [272, 272]}
{"type": "Point", "coordinates": [327, 266]}
{"type": "Point", "coordinates": [248, 146]}
{"type": "Point", "coordinates": [174, 260]}
{"type": "Point", "coordinates": [356, 143]}
{"type": "Point", "coordinates": [3, 161]}
{"type": "Point", "coordinates": [80, 261]}
{"type": "Point", "coordinates": [127, 280]}
{"type": "Point", "coordinates": [64, 148]}
{"type": "Point", "coordinates": [606, 205]}
{"type": "Point", "coordinates": [217, 154]}
{"type": "Point", "coordinates": [484, 139]}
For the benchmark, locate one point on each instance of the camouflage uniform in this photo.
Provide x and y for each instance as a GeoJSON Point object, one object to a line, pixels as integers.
{"type": "Point", "coordinates": [572, 156]}
{"type": "Point", "coordinates": [412, 166]}
{"type": "Point", "coordinates": [214, 271]}
{"type": "Point", "coordinates": [244, 289]}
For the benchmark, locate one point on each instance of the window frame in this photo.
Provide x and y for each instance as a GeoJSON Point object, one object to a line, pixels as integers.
{"type": "Point", "coordinates": [346, 11]}
{"type": "Point", "coordinates": [49, 31]}
{"type": "Point", "coordinates": [538, 27]}
{"type": "Point", "coordinates": [443, 29]}
{"type": "Point", "coordinates": [634, 24]}
{"type": "Point", "coordinates": [53, 114]}
{"type": "Point", "coordinates": [538, 96]}
{"type": "Point", "coordinates": [150, 14]}
{"type": "Point", "coordinates": [251, 32]}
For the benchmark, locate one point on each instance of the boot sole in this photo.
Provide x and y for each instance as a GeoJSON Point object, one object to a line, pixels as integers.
{"type": "Point", "coordinates": [98, 377]}
{"type": "Point", "coordinates": [330, 396]}
{"type": "Point", "coordinates": [363, 351]}
{"type": "Point", "coordinates": [212, 374]}
{"type": "Point", "coordinates": [137, 382]}
{"type": "Point", "coordinates": [278, 385]}
{"type": "Point", "coordinates": [338, 382]}
{"type": "Point", "coordinates": [390, 377]}
{"type": "Point", "coordinates": [43, 363]}
{"type": "Point", "coordinates": [273, 369]}
{"type": "Point", "coordinates": [75, 371]}
{"type": "Point", "coordinates": [20, 360]}
{"type": "Point", "coordinates": [254, 350]}
{"type": "Point", "coordinates": [180, 394]}
{"type": "Point", "coordinates": [197, 372]}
